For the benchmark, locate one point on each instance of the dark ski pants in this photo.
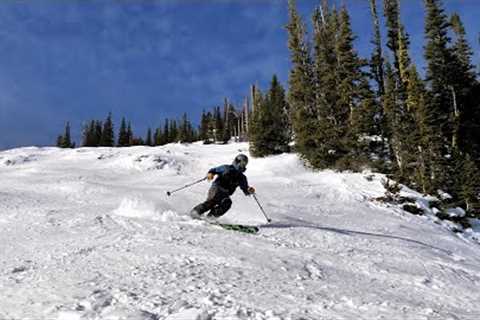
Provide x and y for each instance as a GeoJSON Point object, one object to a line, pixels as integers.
{"type": "Point", "coordinates": [218, 202]}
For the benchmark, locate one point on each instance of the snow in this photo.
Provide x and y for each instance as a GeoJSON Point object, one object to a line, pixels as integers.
{"type": "Point", "coordinates": [456, 212]}
{"type": "Point", "coordinates": [90, 233]}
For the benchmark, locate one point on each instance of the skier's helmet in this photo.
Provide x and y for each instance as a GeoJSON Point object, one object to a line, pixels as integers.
{"type": "Point", "coordinates": [240, 162]}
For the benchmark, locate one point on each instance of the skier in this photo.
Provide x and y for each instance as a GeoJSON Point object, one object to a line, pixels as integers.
{"type": "Point", "coordinates": [229, 177]}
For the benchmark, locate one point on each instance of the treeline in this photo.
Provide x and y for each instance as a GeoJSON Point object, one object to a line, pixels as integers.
{"type": "Point", "coordinates": [221, 125]}
{"type": "Point", "coordinates": [350, 112]}
{"type": "Point", "coordinates": [97, 133]}
{"type": "Point", "coordinates": [218, 125]}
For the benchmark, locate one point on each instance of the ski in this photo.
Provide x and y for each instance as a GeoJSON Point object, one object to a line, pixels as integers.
{"type": "Point", "coordinates": [238, 227]}
{"type": "Point", "coordinates": [228, 226]}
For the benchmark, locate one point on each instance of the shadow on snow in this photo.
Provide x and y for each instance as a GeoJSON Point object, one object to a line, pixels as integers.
{"type": "Point", "coordinates": [298, 223]}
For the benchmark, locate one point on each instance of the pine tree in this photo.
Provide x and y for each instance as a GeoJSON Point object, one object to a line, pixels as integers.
{"type": "Point", "coordinates": [166, 132]}
{"type": "Point", "coordinates": [219, 125]}
{"type": "Point", "coordinates": [123, 139]}
{"type": "Point", "coordinates": [376, 60]}
{"type": "Point", "coordinates": [183, 134]}
{"type": "Point", "coordinates": [364, 143]}
{"type": "Point", "coordinates": [389, 104]}
{"type": "Point", "coordinates": [130, 134]}
{"type": "Point", "coordinates": [301, 94]}
{"type": "Point", "coordinates": [324, 122]}
{"type": "Point", "coordinates": [59, 142]}
{"type": "Point", "coordinates": [138, 141]}
{"type": "Point", "coordinates": [423, 143]}
{"type": "Point", "coordinates": [173, 136]}
{"type": "Point", "coordinates": [148, 139]}
{"type": "Point", "coordinates": [157, 137]}
{"type": "Point", "coordinates": [64, 141]}
{"type": "Point", "coordinates": [226, 134]}
{"type": "Point", "coordinates": [391, 11]}
{"type": "Point", "coordinates": [204, 123]}
{"type": "Point", "coordinates": [86, 133]}
{"type": "Point", "coordinates": [353, 93]}
{"type": "Point", "coordinates": [90, 134]}
{"type": "Point", "coordinates": [466, 123]}
{"type": "Point", "coordinates": [107, 137]}
{"type": "Point", "coordinates": [97, 133]}
{"type": "Point", "coordinates": [269, 129]}
{"type": "Point", "coordinates": [468, 186]}
{"type": "Point", "coordinates": [439, 57]}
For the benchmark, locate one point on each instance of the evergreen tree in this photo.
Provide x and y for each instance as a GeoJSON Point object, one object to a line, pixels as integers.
{"type": "Point", "coordinates": [391, 11]}
{"type": "Point", "coordinates": [59, 142]}
{"type": "Point", "coordinates": [354, 93]}
{"type": "Point", "coordinates": [89, 134]}
{"type": "Point", "coordinates": [424, 145]}
{"type": "Point", "coordinates": [227, 122]}
{"type": "Point", "coordinates": [191, 133]}
{"type": "Point", "coordinates": [107, 136]}
{"type": "Point", "coordinates": [204, 126]}
{"type": "Point", "coordinates": [173, 131]}
{"type": "Point", "coordinates": [269, 129]}
{"type": "Point", "coordinates": [389, 103]}
{"type": "Point", "coordinates": [324, 123]}
{"type": "Point", "coordinates": [468, 186]}
{"type": "Point", "coordinates": [123, 138]}
{"type": "Point", "coordinates": [466, 122]}
{"type": "Point", "coordinates": [218, 126]}
{"type": "Point", "coordinates": [301, 94]}
{"type": "Point", "coordinates": [211, 127]}
{"type": "Point", "coordinates": [138, 141]}
{"type": "Point", "coordinates": [130, 134]}
{"type": "Point", "coordinates": [439, 57]}
{"type": "Point", "coordinates": [64, 141]}
{"type": "Point", "coordinates": [148, 139]}
{"type": "Point", "coordinates": [376, 60]}
{"type": "Point", "coordinates": [97, 133]}
{"type": "Point", "coordinates": [184, 131]}
{"type": "Point", "coordinates": [363, 140]}
{"type": "Point", "coordinates": [166, 132]}
{"type": "Point", "coordinates": [158, 137]}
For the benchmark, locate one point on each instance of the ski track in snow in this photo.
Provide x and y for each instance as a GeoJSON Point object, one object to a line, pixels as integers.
{"type": "Point", "coordinates": [89, 233]}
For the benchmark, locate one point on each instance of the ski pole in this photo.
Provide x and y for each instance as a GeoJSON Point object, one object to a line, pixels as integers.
{"type": "Point", "coordinates": [261, 208]}
{"type": "Point", "coordinates": [169, 193]}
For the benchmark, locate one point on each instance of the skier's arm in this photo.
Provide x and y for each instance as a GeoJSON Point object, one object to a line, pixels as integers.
{"type": "Point", "coordinates": [218, 170]}
{"type": "Point", "coordinates": [247, 190]}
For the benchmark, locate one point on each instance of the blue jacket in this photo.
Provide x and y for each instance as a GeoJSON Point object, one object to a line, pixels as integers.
{"type": "Point", "coordinates": [229, 178]}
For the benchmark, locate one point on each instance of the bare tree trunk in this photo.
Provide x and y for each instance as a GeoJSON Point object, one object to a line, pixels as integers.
{"type": "Point", "coordinates": [227, 122]}
{"type": "Point", "coordinates": [242, 125]}
{"type": "Point", "coordinates": [247, 111]}
{"type": "Point", "coordinates": [456, 119]}
{"type": "Point", "coordinates": [253, 90]}
{"type": "Point", "coordinates": [239, 129]}
{"type": "Point", "coordinates": [234, 127]}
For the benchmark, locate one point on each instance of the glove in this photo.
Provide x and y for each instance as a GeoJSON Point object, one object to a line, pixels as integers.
{"type": "Point", "coordinates": [251, 190]}
{"type": "Point", "coordinates": [210, 176]}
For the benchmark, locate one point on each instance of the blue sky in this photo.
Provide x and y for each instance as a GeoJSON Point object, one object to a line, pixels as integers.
{"type": "Point", "coordinates": [150, 59]}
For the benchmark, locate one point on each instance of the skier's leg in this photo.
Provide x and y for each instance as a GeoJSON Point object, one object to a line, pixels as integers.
{"type": "Point", "coordinates": [213, 199]}
{"type": "Point", "coordinates": [220, 209]}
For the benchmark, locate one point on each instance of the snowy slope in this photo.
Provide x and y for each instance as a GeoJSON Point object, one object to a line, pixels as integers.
{"type": "Point", "coordinates": [90, 234]}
